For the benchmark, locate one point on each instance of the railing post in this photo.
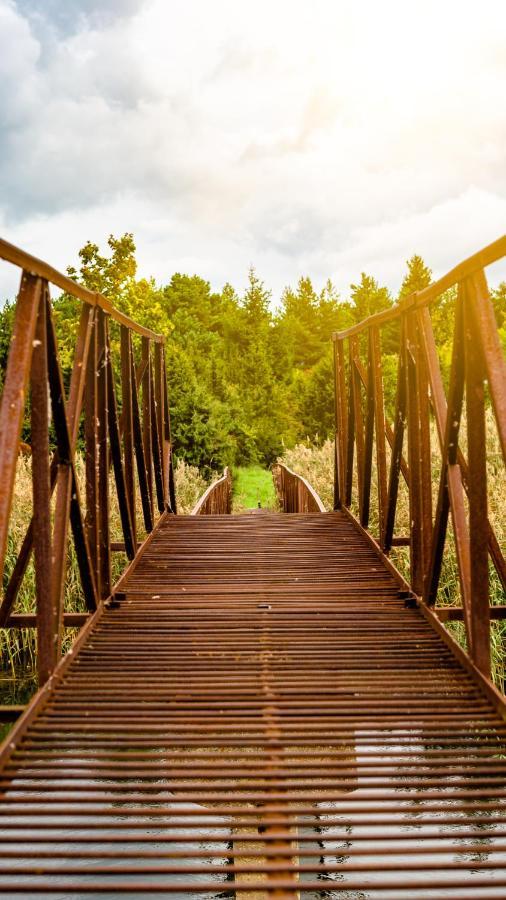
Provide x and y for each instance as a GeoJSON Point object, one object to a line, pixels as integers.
{"type": "Point", "coordinates": [448, 415]}
{"type": "Point", "coordinates": [158, 423]}
{"type": "Point", "coordinates": [358, 419]}
{"type": "Point", "coordinates": [48, 626]}
{"type": "Point", "coordinates": [338, 474]}
{"type": "Point", "coordinates": [420, 513]}
{"type": "Point", "coordinates": [127, 422]}
{"type": "Point", "coordinates": [350, 430]}
{"type": "Point", "coordinates": [115, 455]}
{"type": "Point", "coordinates": [91, 454]}
{"type": "Point", "coordinates": [397, 441]}
{"type": "Point", "coordinates": [139, 449]}
{"type": "Point", "coordinates": [104, 539]}
{"type": "Point", "coordinates": [478, 517]}
{"type": "Point", "coordinates": [376, 388]}
{"type": "Point", "coordinates": [342, 416]}
{"type": "Point", "coordinates": [365, 499]}
{"type": "Point", "coordinates": [13, 396]}
{"type": "Point", "coordinates": [168, 464]}
{"type": "Point", "coordinates": [146, 418]}
{"type": "Point", "coordinates": [494, 362]}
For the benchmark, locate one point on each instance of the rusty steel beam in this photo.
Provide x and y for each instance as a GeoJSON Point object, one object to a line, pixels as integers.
{"type": "Point", "coordinates": [477, 380]}
{"type": "Point", "coordinates": [92, 383]}
{"type": "Point", "coordinates": [34, 267]}
{"type": "Point", "coordinates": [13, 396]}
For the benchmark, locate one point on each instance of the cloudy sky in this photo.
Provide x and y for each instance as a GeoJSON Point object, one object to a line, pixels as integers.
{"type": "Point", "coordinates": [322, 138]}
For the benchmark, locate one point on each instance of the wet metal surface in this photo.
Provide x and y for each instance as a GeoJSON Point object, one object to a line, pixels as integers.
{"type": "Point", "coordinates": [260, 715]}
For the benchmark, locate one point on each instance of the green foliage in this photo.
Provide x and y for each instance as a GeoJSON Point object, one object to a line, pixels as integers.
{"type": "Point", "coordinates": [109, 275]}
{"type": "Point", "coordinates": [368, 298]}
{"type": "Point", "coordinates": [252, 486]}
{"type": "Point", "coordinates": [499, 300]}
{"type": "Point", "coordinates": [245, 380]}
{"type": "Point", "coordinates": [417, 277]}
{"type": "Point", "coordinates": [6, 325]}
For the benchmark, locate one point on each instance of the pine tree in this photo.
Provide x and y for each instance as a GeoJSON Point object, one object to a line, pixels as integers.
{"type": "Point", "coordinates": [368, 298]}
{"type": "Point", "coordinates": [418, 277]}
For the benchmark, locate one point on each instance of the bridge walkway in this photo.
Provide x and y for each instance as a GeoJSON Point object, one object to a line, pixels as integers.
{"type": "Point", "coordinates": [260, 715]}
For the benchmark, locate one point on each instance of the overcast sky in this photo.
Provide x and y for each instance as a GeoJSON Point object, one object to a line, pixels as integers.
{"type": "Point", "coordinates": [319, 138]}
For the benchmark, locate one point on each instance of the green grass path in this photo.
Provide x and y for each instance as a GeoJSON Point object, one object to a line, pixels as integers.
{"type": "Point", "coordinates": [251, 486]}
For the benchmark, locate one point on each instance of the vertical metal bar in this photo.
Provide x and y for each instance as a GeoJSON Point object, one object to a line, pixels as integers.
{"type": "Point", "coordinates": [356, 397]}
{"type": "Point", "coordinates": [343, 417]}
{"type": "Point", "coordinates": [451, 491]}
{"type": "Point", "coordinates": [458, 479]}
{"type": "Point", "coordinates": [104, 540]}
{"type": "Point", "coordinates": [91, 455]}
{"type": "Point", "coordinates": [139, 450]}
{"type": "Point", "coordinates": [379, 414]}
{"type": "Point", "coordinates": [478, 519]}
{"type": "Point", "coordinates": [127, 421]}
{"type": "Point", "coordinates": [453, 475]}
{"type": "Point", "coordinates": [13, 396]}
{"type": "Point", "coordinates": [425, 466]}
{"type": "Point", "coordinates": [66, 458]}
{"type": "Point", "coordinates": [167, 441]}
{"type": "Point", "coordinates": [419, 459]}
{"type": "Point", "coordinates": [350, 431]}
{"type": "Point", "coordinates": [398, 440]}
{"type": "Point", "coordinates": [115, 448]}
{"type": "Point", "coordinates": [64, 473]}
{"type": "Point", "coordinates": [478, 300]}
{"type": "Point", "coordinates": [431, 583]}
{"type": "Point", "coordinates": [155, 446]}
{"type": "Point", "coordinates": [158, 401]}
{"type": "Point", "coordinates": [47, 615]}
{"type": "Point", "coordinates": [337, 431]}
{"type": "Point", "coordinates": [146, 418]}
{"type": "Point", "coordinates": [369, 440]}
{"type": "Point", "coordinates": [415, 515]}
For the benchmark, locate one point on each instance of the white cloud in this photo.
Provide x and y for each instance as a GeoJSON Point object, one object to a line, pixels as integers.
{"type": "Point", "coordinates": [321, 138]}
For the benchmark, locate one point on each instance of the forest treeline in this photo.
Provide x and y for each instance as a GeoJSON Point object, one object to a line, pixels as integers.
{"type": "Point", "coordinates": [246, 378]}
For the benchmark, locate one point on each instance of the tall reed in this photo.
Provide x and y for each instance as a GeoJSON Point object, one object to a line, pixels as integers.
{"type": "Point", "coordinates": [316, 464]}
{"type": "Point", "coordinates": [18, 646]}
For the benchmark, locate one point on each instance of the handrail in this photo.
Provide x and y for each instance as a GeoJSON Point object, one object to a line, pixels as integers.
{"type": "Point", "coordinates": [34, 266]}
{"type": "Point", "coordinates": [363, 431]}
{"type": "Point", "coordinates": [418, 299]}
{"type": "Point", "coordinates": [295, 494]}
{"type": "Point", "coordinates": [217, 499]}
{"type": "Point", "coordinates": [133, 447]}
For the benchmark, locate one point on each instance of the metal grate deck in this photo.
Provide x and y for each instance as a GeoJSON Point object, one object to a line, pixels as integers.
{"type": "Point", "coordinates": [261, 716]}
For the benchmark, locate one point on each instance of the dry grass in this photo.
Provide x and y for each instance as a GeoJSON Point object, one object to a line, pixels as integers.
{"type": "Point", "coordinates": [18, 646]}
{"type": "Point", "coordinates": [190, 485]}
{"type": "Point", "coordinates": [316, 464]}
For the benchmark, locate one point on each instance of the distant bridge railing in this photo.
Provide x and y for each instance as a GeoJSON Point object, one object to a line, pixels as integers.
{"type": "Point", "coordinates": [436, 434]}
{"type": "Point", "coordinates": [294, 493]}
{"type": "Point", "coordinates": [217, 499]}
{"type": "Point", "coordinates": [117, 406]}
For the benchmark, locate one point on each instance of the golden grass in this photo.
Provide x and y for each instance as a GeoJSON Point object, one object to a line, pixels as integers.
{"type": "Point", "coordinates": [316, 464]}
{"type": "Point", "coordinates": [18, 646]}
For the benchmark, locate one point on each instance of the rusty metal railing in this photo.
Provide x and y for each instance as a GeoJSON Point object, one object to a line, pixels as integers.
{"type": "Point", "coordinates": [217, 499]}
{"type": "Point", "coordinates": [370, 449]}
{"type": "Point", "coordinates": [132, 445]}
{"type": "Point", "coordinates": [295, 494]}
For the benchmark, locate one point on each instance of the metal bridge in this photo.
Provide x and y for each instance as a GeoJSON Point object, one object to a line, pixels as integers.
{"type": "Point", "coordinates": [262, 705]}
